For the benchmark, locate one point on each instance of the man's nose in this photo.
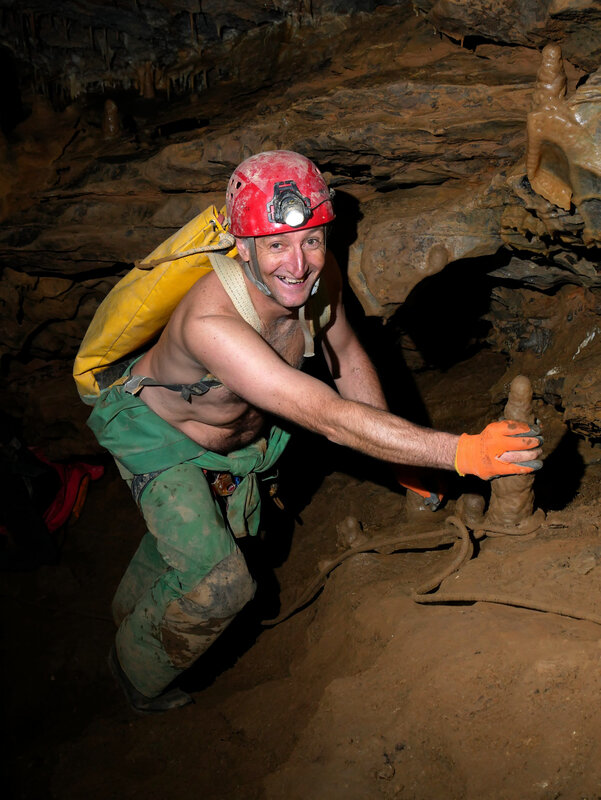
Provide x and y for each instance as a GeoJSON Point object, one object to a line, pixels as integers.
{"type": "Point", "coordinates": [298, 262]}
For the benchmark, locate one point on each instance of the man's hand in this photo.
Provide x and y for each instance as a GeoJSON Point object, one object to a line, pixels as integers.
{"type": "Point", "coordinates": [411, 478]}
{"type": "Point", "coordinates": [500, 450]}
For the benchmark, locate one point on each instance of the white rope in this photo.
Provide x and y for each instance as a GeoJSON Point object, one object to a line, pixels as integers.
{"type": "Point", "coordinates": [226, 242]}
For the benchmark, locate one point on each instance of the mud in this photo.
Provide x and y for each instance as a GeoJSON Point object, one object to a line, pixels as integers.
{"type": "Point", "coordinates": [511, 504]}
{"type": "Point", "coordinates": [361, 694]}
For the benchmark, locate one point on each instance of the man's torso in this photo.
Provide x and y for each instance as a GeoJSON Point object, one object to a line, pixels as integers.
{"type": "Point", "coordinates": [219, 420]}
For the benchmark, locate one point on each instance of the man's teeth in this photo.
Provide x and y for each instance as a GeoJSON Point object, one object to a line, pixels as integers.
{"type": "Point", "coordinates": [290, 280]}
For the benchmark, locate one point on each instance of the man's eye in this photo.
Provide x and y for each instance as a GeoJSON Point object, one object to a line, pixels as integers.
{"type": "Point", "coordinates": [314, 242]}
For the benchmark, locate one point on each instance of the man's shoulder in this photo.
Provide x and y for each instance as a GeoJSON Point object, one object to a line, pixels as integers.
{"type": "Point", "coordinates": [207, 297]}
{"type": "Point", "coordinates": [213, 299]}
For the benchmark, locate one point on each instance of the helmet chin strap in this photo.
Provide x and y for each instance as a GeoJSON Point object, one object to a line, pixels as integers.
{"type": "Point", "coordinates": [252, 269]}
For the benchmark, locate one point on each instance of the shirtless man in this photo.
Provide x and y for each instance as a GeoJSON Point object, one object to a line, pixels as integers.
{"type": "Point", "coordinates": [205, 400]}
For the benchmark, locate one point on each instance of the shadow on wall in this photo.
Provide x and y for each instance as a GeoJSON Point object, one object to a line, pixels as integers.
{"type": "Point", "coordinates": [440, 324]}
{"type": "Point", "coordinates": [444, 314]}
{"type": "Point", "coordinates": [558, 483]}
{"type": "Point", "coordinates": [343, 232]}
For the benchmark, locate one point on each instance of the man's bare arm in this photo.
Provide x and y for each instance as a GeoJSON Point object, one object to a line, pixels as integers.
{"type": "Point", "coordinates": [249, 367]}
{"type": "Point", "coordinates": [353, 371]}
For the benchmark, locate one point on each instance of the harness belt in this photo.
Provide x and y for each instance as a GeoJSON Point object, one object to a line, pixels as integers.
{"type": "Point", "coordinates": [136, 383]}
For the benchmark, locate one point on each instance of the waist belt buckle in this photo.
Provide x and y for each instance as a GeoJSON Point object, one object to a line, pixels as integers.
{"type": "Point", "coordinates": [134, 385]}
{"type": "Point", "coordinates": [222, 484]}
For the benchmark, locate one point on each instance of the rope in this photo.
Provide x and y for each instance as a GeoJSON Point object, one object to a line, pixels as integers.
{"type": "Point", "coordinates": [462, 543]}
{"type": "Point", "coordinates": [417, 541]}
{"type": "Point", "coordinates": [226, 242]}
{"type": "Point", "coordinates": [506, 600]}
{"type": "Point", "coordinates": [466, 550]}
{"type": "Point", "coordinates": [420, 595]}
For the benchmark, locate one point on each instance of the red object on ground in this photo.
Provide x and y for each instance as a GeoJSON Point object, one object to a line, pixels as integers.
{"type": "Point", "coordinates": [75, 478]}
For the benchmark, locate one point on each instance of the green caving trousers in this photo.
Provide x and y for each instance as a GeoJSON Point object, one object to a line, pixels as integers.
{"type": "Point", "coordinates": [188, 578]}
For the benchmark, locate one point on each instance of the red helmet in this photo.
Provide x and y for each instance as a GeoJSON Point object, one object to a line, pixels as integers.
{"type": "Point", "coordinates": [277, 192]}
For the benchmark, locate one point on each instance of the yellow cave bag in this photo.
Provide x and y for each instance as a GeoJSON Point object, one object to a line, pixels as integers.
{"type": "Point", "coordinates": [139, 306]}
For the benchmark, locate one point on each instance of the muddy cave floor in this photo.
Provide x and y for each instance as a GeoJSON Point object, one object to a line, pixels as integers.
{"type": "Point", "coordinates": [362, 694]}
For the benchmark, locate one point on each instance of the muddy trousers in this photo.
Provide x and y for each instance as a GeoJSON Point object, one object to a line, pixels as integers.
{"type": "Point", "coordinates": [184, 585]}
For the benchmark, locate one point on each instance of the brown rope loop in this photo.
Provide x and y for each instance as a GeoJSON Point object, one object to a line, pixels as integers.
{"type": "Point", "coordinates": [389, 544]}
{"type": "Point", "coordinates": [466, 550]}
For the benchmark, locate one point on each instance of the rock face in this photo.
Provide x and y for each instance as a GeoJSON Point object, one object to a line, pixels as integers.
{"type": "Point", "coordinates": [457, 135]}
{"type": "Point", "coordinates": [513, 22]}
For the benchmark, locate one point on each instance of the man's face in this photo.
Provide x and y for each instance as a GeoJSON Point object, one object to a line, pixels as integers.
{"type": "Point", "coordinates": [290, 263]}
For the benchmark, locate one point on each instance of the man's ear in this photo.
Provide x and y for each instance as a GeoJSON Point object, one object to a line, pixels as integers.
{"type": "Point", "coordinates": [242, 247]}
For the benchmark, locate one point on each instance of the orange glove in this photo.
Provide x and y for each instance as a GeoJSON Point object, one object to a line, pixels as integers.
{"type": "Point", "coordinates": [410, 478]}
{"type": "Point", "coordinates": [479, 455]}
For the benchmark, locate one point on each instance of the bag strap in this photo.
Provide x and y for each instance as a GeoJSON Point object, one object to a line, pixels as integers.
{"type": "Point", "coordinates": [230, 274]}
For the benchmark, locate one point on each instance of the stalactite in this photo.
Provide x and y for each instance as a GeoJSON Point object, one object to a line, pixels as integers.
{"type": "Point", "coordinates": [199, 81]}
{"type": "Point", "coordinates": [32, 26]}
{"type": "Point", "coordinates": [111, 124]}
{"type": "Point", "coordinates": [102, 42]}
{"type": "Point", "coordinates": [74, 86]}
{"type": "Point", "coordinates": [147, 81]}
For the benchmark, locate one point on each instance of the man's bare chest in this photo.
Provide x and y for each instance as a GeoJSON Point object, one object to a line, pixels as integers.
{"type": "Point", "coordinates": [286, 338]}
{"type": "Point", "coordinates": [219, 405]}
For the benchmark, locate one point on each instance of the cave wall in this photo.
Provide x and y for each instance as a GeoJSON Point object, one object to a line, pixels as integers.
{"type": "Point", "coordinates": [455, 133]}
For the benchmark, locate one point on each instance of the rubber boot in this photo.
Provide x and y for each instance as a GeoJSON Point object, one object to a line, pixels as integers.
{"type": "Point", "coordinates": [174, 698]}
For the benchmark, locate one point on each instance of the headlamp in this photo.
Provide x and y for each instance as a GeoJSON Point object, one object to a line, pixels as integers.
{"type": "Point", "coordinates": [288, 206]}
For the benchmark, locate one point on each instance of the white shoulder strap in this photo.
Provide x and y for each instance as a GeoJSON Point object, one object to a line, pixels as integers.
{"type": "Point", "coordinates": [230, 274]}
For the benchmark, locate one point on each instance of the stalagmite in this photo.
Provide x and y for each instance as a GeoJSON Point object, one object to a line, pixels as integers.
{"type": "Point", "coordinates": [511, 507]}
{"type": "Point", "coordinates": [550, 123]}
{"type": "Point", "coordinates": [551, 81]}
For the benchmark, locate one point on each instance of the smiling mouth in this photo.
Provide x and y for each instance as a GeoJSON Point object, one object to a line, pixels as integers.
{"type": "Point", "coordinates": [291, 281]}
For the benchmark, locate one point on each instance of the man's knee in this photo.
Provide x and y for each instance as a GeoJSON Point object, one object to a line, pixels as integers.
{"type": "Point", "coordinates": [222, 593]}
{"type": "Point", "coordinates": [192, 622]}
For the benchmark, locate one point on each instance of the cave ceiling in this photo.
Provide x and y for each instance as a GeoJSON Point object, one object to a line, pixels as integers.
{"type": "Point", "coordinates": [453, 132]}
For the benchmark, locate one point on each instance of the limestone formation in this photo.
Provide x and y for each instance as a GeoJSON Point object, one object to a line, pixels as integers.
{"type": "Point", "coordinates": [350, 533]}
{"type": "Point", "coordinates": [511, 507]}
{"type": "Point", "coordinates": [111, 124]}
{"type": "Point", "coordinates": [413, 236]}
{"type": "Point", "coordinates": [521, 23]}
{"type": "Point", "coordinates": [563, 157]}
{"type": "Point", "coordinates": [470, 510]}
